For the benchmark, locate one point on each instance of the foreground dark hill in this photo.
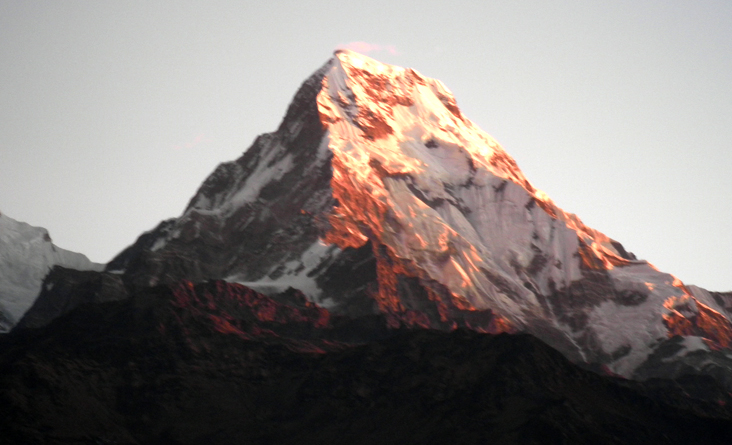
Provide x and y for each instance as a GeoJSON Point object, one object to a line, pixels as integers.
{"type": "Point", "coordinates": [217, 363]}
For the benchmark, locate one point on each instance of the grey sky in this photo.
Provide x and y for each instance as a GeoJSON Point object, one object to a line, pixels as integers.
{"type": "Point", "coordinates": [113, 113]}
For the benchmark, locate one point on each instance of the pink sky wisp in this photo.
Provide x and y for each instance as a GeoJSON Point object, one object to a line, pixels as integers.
{"type": "Point", "coordinates": [366, 48]}
{"type": "Point", "coordinates": [198, 140]}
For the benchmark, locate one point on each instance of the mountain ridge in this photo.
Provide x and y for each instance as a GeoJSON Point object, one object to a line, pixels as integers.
{"type": "Point", "coordinates": [376, 195]}
{"type": "Point", "coordinates": [377, 268]}
{"type": "Point", "coordinates": [369, 152]}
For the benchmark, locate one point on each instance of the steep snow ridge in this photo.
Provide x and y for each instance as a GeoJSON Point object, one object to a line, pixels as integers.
{"type": "Point", "coordinates": [399, 140]}
{"type": "Point", "coordinates": [245, 185]}
{"type": "Point", "coordinates": [251, 215]}
{"type": "Point", "coordinates": [26, 256]}
{"type": "Point", "coordinates": [387, 103]}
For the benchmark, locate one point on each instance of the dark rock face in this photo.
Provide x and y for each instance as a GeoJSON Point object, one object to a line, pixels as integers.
{"type": "Point", "coordinates": [350, 279]}
{"type": "Point", "coordinates": [724, 299]}
{"type": "Point", "coordinates": [6, 321]}
{"type": "Point", "coordinates": [64, 289]}
{"type": "Point", "coordinates": [668, 361]}
{"type": "Point", "coordinates": [144, 242]}
{"type": "Point", "coordinates": [218, 363]}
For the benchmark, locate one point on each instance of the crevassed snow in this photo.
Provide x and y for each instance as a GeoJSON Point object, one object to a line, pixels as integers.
{"type": "Point", "coordinates": [26, 256]}
{"type": "Point", "coordinates": [636, 325]}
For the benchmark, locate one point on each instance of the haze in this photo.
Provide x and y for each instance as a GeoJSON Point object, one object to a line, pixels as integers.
{"type": "Point", "coordinates": [112, 114]}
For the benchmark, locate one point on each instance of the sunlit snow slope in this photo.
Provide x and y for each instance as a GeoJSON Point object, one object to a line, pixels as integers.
{"type": "Point", "coordinates": [410, 172]}
{"type": "Point", "coordinates": [377, 195]}
{"type": "Point", "coordinates": [26, 256]}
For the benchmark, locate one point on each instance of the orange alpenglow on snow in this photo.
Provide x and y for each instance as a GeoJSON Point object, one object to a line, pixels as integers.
{"type": "Point", "coordinates": [376, 115]}
{"type": "Point", "coordinates": [393, 131]}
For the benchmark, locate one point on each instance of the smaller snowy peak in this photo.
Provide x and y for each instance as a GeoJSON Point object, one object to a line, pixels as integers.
{"type": "Point", "coordinates": [27, 254]}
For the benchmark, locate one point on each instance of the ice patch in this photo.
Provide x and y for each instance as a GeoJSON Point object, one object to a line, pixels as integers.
{"type": "Point", "coordinates": [158, 244]}
{"type": "Point", "coordinates": [298, 274]}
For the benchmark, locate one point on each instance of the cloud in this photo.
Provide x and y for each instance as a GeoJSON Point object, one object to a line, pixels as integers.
{"type": "Point", "coordinates": [200, 139]}
{"type": "Point", "coordinates": [366, 48]}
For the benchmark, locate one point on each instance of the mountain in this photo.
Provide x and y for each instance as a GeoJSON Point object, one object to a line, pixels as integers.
{"type": "Point", "coordinates": [376, 270]}
{"type": "Point", "coordinates": [27, 254]}
{"type": "Point", "coordinates": [376, 195]}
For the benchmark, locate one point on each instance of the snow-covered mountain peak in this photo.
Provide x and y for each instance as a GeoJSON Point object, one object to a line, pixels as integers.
{"type": "Point", "coordinates": [26, 256]}
{"type": "Point", "coordinates": [376, 194]}
{"type": "Point", "coordinates": [400, 142]}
